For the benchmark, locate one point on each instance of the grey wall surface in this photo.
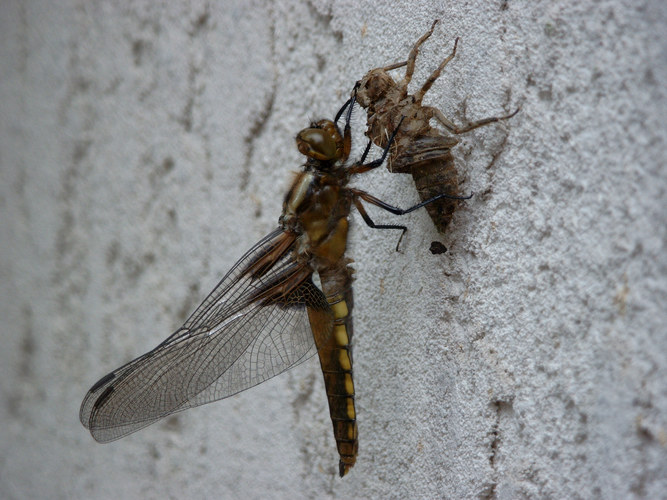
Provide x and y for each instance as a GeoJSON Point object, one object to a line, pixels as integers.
{"type": "Point", "coordinates": [144, 147]}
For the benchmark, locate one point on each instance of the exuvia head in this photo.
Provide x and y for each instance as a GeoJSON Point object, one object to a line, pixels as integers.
{"type": "Point", "coordinates": [373, 86]}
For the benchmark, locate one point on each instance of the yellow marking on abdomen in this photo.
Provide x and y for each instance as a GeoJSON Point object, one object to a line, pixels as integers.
{"type": "Point", "coordinates": [350, 409]}
{"type": "Point", "coordinates": [352, 431]}
{"type": "Point", "coordinates": [340, 309]}
{"type": "Point", "coordinates": [344, 360]}
{"type": "Point", "coordinates": [349, 384]}
{"type": "Point", "coordinates": [340, 335]}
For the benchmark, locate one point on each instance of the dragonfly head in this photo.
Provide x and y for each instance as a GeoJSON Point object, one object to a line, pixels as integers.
{"type": "Point", "coordinates": [321, 141]}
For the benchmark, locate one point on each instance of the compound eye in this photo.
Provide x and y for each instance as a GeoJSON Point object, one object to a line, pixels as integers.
{"type": "Point", "coordinates": [316, 143]}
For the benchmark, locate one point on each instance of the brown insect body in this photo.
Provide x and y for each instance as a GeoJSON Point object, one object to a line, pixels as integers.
{"type": "Point", "coordinates": [316, 209]}
{"type": "Point", "coordinates": [418, 149]}
{"type": "Point", "coordinates": [266, 315]}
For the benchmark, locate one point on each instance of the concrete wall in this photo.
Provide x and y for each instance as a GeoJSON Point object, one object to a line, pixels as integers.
{"type": "Point", "coordinates": [144, 147]}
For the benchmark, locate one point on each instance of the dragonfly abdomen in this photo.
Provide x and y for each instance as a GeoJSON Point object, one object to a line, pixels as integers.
{"type": "Point", "coordinates": [336, 359]}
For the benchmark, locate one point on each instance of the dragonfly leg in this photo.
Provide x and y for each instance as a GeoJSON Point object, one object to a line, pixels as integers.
{"type": "Point", "coordinates": [358, 195]}
{"type": "Point", "coordinates": [367, 219]}
{"type": "Point", "coordinates": [361, 167]}
{"type": "Point", "coordinates": [402, 211]}
{"type": "Point", "coordinates": [347, 133]}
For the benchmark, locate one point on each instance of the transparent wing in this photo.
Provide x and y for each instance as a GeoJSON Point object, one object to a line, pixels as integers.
{"type": "Point", "coordinates": [255, 324]}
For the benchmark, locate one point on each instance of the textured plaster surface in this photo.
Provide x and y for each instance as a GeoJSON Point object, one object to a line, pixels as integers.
{"type": "Point", "coordinates": [145, 146]}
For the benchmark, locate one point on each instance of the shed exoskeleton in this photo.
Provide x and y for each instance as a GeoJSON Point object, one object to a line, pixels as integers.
{"type": "Point", "coordinates": [418, 149]}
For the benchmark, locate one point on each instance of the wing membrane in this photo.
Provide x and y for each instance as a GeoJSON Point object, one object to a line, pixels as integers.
{"type": "Point", "coordinates": [253, 326]}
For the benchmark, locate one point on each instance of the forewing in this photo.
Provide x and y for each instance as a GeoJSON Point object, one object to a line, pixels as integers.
{"type": "Point", "coordinates": [253, 326]}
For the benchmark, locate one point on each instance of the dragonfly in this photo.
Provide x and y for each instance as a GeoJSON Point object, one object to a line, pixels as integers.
{"type": "Point", "coordinates": [267, 314]}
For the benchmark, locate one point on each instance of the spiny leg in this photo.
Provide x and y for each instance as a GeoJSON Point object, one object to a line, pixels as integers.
{"type": "Point", "coordinates": [419, 95]}
{"type": "Point", "coordinates": [402, 211]}
{"type": "Point", "coordinates": [347, 133]}
{"type": "Point", "coordinates": [369, 222]}
{"type": "Point", "coordinates": [361, 167]}
{"type": "Point", "coordinates": [358, 195]}
{"type": "Point", "coordinates": [365, 154]}
{"type": "Point", "coordinates": [345, 106]}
